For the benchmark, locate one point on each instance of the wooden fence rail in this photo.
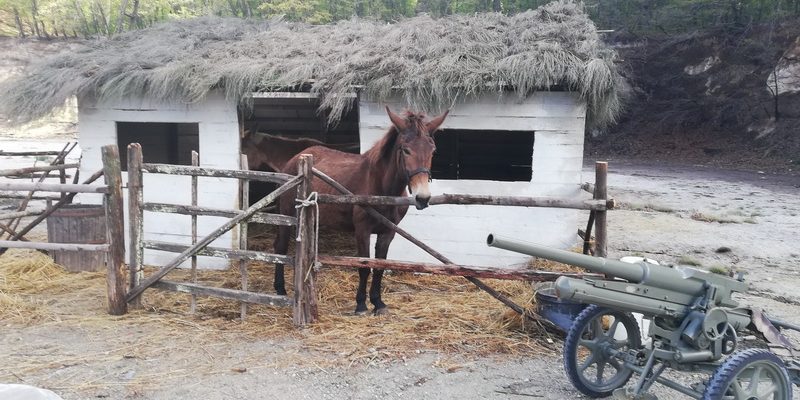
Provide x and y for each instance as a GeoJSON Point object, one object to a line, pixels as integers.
{"type": "Point", "coordinates": [274, 177]}
{"type": "Point", "coordinates": [466, 199]}
{"type": "Point", "coordinates": [262, 218]}
{"type": "Point", "coordinates": [53, 187]}
{"type": "Point", "coordinates": [516, 274]}
{"type": "Point", "coordinates": [43, 168]}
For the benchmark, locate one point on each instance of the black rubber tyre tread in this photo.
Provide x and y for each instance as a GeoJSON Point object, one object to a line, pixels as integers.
{"type": "Point", "coordinates": [574, 335]}
{"type": "Point", "coordinates": [734, 364]}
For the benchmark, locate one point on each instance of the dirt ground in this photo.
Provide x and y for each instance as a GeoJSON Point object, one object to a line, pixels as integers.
{"type": "Point", "coordinates": [713, 218]}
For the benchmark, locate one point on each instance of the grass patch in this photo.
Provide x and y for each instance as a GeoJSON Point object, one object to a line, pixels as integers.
{"type": "Point", "coordinates": [698, 216]}
{"type": "Point", "coordinates": [650, 207]}
{"type": "Point", "coordinates": [719, 270]}
{"type": "Point", "coordinates": [687, 260]}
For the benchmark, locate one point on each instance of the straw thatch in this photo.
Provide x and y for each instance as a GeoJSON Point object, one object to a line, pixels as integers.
{"type": "Point", "coordinates": [435, 62]}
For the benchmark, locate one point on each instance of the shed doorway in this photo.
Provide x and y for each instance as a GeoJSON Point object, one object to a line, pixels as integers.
{"type": "Point", "coordinates": [296, 115]}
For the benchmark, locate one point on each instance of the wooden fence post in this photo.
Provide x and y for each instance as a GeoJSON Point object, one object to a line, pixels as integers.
{"type": "Point", "coordinates": [135, 219]}
{"type": "Point", "coordinates": [115, 232]}
{"type": "Point", "coordinates": [244, 191]}
{"type": "Point", "coordinates": [195, 163]}
{"type": "Point", "coordinates": [305, 295]}
{"type": "Point", "coordinates": [601, 193]}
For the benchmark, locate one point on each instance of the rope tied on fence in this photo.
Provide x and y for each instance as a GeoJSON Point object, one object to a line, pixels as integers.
{"type": "Point", "coordinates": [302, 205]}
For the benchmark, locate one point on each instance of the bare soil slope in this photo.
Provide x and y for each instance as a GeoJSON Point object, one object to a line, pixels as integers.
{"type": "Point", "coordinates": [704, 98]}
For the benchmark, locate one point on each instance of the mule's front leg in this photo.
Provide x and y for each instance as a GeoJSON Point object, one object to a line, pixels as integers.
{"type": "Point", "coordinates": [281, 247]}
{"type": "Point", "coordinates": [381, 251]}
{"type": "Point", "coordinates": [362, 248]}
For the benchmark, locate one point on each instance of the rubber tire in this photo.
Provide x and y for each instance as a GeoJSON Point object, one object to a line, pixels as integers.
{"type": "Point", "coordinates": [571, 347]}
{"type": "Point", "coordinates": [734, 364]}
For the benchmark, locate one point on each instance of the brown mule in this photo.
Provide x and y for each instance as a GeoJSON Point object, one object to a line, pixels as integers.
{"type": "Point", "coordinates": [399, 160]}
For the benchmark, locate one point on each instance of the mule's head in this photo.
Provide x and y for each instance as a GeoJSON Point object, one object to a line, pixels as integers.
{"type": "Point", "coordinates": [415, 149]}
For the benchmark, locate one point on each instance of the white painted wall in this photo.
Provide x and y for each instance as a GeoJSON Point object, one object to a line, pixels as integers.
{"type": "Point", "coordinates": [219, 148]}
{"type": "Point", "coordinates": [459, 232]}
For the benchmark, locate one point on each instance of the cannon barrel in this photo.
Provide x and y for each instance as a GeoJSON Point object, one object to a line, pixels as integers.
{"type": "Point", "coordinates": [679, 279]}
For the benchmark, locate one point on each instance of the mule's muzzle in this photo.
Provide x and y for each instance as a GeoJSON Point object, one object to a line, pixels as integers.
{"type": "Point", "coordinates": [421, 202]}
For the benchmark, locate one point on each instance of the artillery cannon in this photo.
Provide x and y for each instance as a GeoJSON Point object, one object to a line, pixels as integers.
{"type": "Point", "coordinates": [694, 325]}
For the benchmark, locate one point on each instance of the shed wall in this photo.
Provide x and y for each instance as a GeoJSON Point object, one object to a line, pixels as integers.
{"type": "Point", "coordinates": [218, 132]}
{"type": "Point", "coordinates": [459, 232]}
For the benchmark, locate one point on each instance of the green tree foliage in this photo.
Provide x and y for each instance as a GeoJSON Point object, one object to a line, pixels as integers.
{"type": "Point", "coordinates": [51, 18]}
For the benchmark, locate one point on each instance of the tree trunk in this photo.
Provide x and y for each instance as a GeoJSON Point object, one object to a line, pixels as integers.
{"type": "Point", "coordinates": [775, 92]}
{"type": "Point", "coordinates": [135, 20]}
{"type": "Point", "coordinates": [33, 16]}
{"type": "Point", "coordinates": [82, 16]}
{"type": "Point", "coordinates": [18, 21]}
{"type": "Point", "coordinates": [497, 5]}
{"type": "Point", "coordinates": [120, 21]}
{"type": "Point", "coordinates": [44, 31]}
{"type": "Point", "coordinates": [103, 19]}
{"type": "Point", "coordinates": [246, 9]}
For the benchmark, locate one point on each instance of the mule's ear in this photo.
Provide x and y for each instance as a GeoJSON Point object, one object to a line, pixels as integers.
{"type": "Point", "coordinates": [435, 123]}
{"type": "Point", "coordinates": [398, 121]}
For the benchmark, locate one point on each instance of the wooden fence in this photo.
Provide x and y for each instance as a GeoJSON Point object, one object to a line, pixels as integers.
{"type": "Point", "coordinates": [112, 200]}
{"type": "Point", "coordinates": [304, 299]}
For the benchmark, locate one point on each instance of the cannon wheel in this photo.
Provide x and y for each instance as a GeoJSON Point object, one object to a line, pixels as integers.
{"type": "Point", "coordinates": [590, 367]}
{"type": "Point", "coordinates": [750, 374]}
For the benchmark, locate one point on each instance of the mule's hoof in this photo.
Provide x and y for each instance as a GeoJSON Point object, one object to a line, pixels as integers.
{"type": "Point", "coordinates": [381, 311]}
{"type": "Point", "coordinates": [281, 292]}
{"type": "Point", "coordinates": [360, 313]}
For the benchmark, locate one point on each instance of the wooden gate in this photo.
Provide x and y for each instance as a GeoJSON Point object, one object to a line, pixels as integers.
{"type": "Point", "coordinates": [304, 305]}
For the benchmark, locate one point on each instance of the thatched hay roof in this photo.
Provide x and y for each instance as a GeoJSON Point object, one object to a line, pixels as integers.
{"type": "Point", "coordinates": [436, 62]}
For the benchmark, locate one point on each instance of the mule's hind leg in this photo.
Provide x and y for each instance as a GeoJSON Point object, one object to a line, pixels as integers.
{"type": "Point", "coordinates": [362, 248]}
{"type": "Point", "coordinates": [281, 247]}
{"type": "Point", "coordinates": [381, 251]}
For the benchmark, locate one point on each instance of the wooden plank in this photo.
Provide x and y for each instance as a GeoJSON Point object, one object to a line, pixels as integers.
{"type": "Point", "coordinates": [53, 187]}
{"type": "Point", "coordinates": [239, 295]}
{"type": "Point", "coordinates": [135, 219]}
{"type": "Point", "coordinates": [588, 188]}
{"type": "Point", "coordinates": [465, 199]}
{"type": "Point", "coordinates": [51, 197]}
{"type": "Point", "coordinates": [600, 223]}
{"type": "Point", "coordinates": [219, 252]}
{"type": "Point", "coordinates": [36, 175]}
{"type": "Point", "coordinates": [29, 153]}
{"type": "Point", "coordinates": [262, 218]}
{"type": "Point", "coordinates": [274, 177]}
{"type": "Point", "coordinates": [20, 214]}
{"type": "Point", "coordinates": [528, 275]}
{"type": "Point", "coordinates": [30, 170]}
{"type": "Point", "coordinates": [13, 244]}
{"type": "Point", "coordinates": [115, 232]}
{"type": "Point", "coordinates": [294, 95]}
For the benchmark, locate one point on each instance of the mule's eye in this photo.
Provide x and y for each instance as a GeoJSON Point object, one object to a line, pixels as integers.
{"type": "Point", "coordinates": [406, 151]}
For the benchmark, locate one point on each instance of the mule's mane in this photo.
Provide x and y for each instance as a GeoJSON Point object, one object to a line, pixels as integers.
{"type": "Point", "coordinates": [383, 147]}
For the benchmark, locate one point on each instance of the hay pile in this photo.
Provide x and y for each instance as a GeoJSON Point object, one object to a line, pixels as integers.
{"type": "Point", "coordinates": [435, 62]}
{"type": "Point", "coordinates": [446, 316]}
{"type": "Point", "coordinates": [26, 279]}
{"type": "Point", "coordinates": [438, 314]}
